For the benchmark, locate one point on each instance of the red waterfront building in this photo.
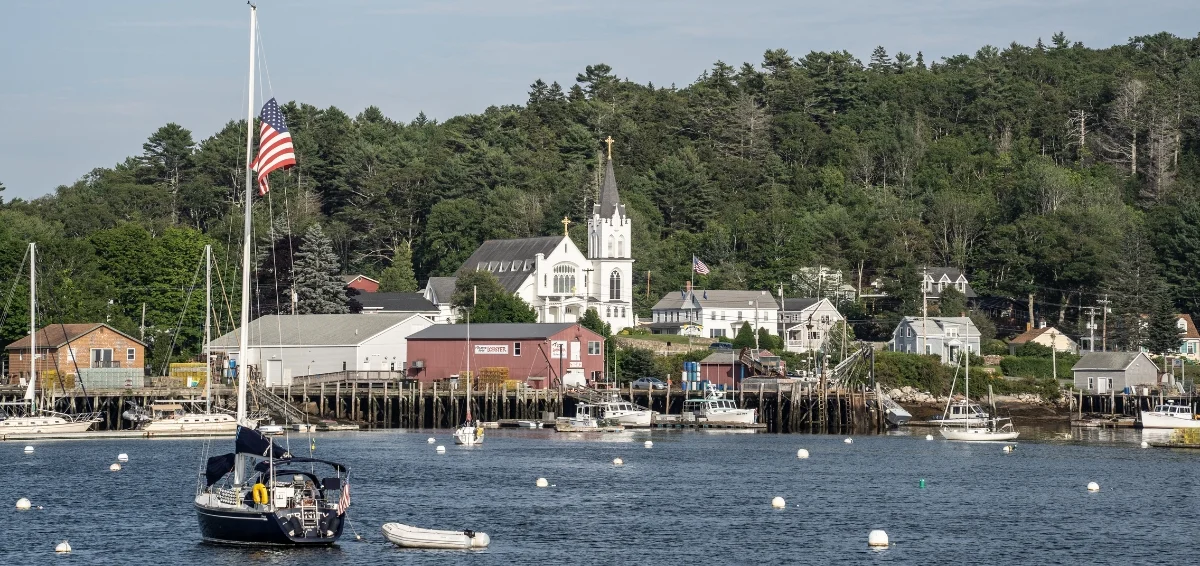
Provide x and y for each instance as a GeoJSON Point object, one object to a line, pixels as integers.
{"type": "Point", "coordinates": [536, 353]}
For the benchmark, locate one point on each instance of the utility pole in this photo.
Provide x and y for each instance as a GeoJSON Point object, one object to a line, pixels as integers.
{"type": "Point", "coordinates": [647, 283]}
{"type": "Point", "coordinates": [1104, 330]}
{"type": "Point", "coordinates": [587, 290]}
{"type": "Point", "coordinates": [1091, 328]}
{"type": "Point", "coordinates": [1054, 354]}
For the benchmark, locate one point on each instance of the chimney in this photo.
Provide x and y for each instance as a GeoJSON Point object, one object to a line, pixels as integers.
{"type": "Point", "coordinates": [1041, 323]}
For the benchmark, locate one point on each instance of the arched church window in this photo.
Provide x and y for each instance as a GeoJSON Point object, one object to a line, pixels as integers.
{"type": "Point", "coordinates": [610, 247]}
{"type": "Point", "coordinates": [621, 246]}
{"type": "Point", "coordinates": [614, 286]}
{"type": "Point", "coordinates": [564, 279]}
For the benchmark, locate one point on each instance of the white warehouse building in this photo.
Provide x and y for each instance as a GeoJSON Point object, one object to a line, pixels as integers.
{"type": "Point", "coordinates": [287, 346]}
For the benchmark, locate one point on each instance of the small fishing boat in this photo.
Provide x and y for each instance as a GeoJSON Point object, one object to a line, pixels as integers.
{"type": "Point", "coordinates": [715, 408]}
{"type": "Point", "coordinates": [625, 413]}
{"type": "Point", "coordinates": [1170, 416]}
{"type": "Point", "coordinates": [585, 420]}
{"type": "Point", "coordinates": [406, 536]}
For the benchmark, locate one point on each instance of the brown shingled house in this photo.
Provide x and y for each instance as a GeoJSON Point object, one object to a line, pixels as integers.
{"type": "Point", "coordinates": [91, 345]}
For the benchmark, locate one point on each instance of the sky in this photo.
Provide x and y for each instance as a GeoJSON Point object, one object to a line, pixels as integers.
{"type": "Point", "coordinates": [84, 83]}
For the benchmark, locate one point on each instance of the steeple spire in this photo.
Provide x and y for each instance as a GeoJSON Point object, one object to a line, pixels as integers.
{"type": "Point", "coordinates": [609, 141]}
{"type": "Point", "coordinates": [610, 200]}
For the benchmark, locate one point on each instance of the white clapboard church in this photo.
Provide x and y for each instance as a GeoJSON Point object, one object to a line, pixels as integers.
{"type": "Point", "coordinates": [554, 276]}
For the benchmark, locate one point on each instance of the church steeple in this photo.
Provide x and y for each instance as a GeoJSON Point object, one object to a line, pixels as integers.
{"type": "Point", "coordinates": [610, 200]}
{"type": "Point", "coordinates": [609, 234]}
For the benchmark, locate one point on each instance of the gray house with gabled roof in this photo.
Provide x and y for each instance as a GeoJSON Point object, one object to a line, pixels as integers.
{"type": "Point", "coordinates": [1101, 372]}
{"type": "Point", "coordinates": [941, 336]}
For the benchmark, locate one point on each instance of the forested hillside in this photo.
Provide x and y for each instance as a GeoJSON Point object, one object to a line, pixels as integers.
{"type": "Point", "coordinates": [1057, 170]}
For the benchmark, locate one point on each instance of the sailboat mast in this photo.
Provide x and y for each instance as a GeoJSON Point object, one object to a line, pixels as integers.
{"type": "Point", "coordinates": [32, 322]}
{"type": "Point", "coordinates": [207, 323]}
{"type": "Point", "coordinates": [243, 338]}
{"type": "Point", "coordinates": [469, 350]}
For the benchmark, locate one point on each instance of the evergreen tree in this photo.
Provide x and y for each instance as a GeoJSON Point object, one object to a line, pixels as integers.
{"type": "Point", "coordinates": [399, 277]}
{"type": "Point", "coordinates": [319, 290]}
{"type": "Point", "coordinates": [744, 338]}
{"type": "Point", "coordinates": [1134, 287]}
{"type": "Point", "coordinates": [1162, 334]}
{"type": "Point", "coordinates": [880, 62]}
{"type": "Point", "coordinates": [952, 302]}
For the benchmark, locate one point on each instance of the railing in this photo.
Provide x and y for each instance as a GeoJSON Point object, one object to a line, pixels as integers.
{"type": "Point", "coordinates": [348, 376]}
{"type": "Point", "coordinates": [107, 364]}
{"type": "Point", "coordinates": [278, 404]}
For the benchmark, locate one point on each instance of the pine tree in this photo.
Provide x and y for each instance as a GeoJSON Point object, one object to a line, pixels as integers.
{"type": "Point", "coordinates": [1162, 334]}
{"type": "Point", "coordinates": [880, 62]}
{"type": "Point", "coordinates": [399, 277]}
{"type": "Point", "coordinates": [1134, 286]}
{"type": "Point", "coordinates": [744, 338]}
{"type": "Point", "coordinates": [318, 287]}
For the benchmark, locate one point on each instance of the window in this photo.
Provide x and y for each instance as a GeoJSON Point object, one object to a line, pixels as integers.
{"type": "Point", "coordinates": [608, 312]}
{"type": "Point", "coordinates": [621, 246]}
{"type": "Point", "coordinates": [564, 279]}
{"type": "Point", "coordinates": [130, 354]}
{"type": "Point", "coordinates": [1191, 348]}
{"type": "Point", "coordinates": [545, 280]}
{"type": "Point", "coordinates": [712, 315]}
{"type": "Point", "coordinates": [962, 286]}
{"type": "Point", "coordinates": [739, 315]}
{"type": "Point", "coordinates": [610, 247]}
{"type": "Point", "coordinates": [343, 366]}
{"type": "Point", "coordinates": [516, 348]}
{"type": "Point", "coordinates": [814, 335]}
{"type": "Point", "coordinates": [928, 349]}
{"type": "Point", "coordinates": [622, 312]}
{"type": "Point", "coordinates": [593, 348]}
{"type": "Point", "coordinates": [910, 332]}
{"type": "Point", "coordinates": [102, 358]}
{"type": "Point", "coordinates": [614, 286]}
{"type": "Point", "coordinates": [1091, 383]}
{"type": "Point", "coordinates": [716, 333]}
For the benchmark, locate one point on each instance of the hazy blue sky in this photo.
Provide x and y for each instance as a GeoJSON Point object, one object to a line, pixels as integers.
{"type": "Point", "coordinates": [82, 84]}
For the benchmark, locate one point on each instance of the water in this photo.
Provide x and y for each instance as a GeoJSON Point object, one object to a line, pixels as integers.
{"type": "Point", "coordinates": [693, 498]}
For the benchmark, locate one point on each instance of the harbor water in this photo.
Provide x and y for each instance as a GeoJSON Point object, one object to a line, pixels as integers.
{"type": "Point", "coordinates": [694, 497]}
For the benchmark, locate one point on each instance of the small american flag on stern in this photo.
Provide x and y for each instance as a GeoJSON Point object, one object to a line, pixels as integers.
{"type": "Point", "coordinates": [344, 500]}
{"type": "Point", "coordinates": [698, 266]}
{"type": "Point", "coordinates": [274, 145]}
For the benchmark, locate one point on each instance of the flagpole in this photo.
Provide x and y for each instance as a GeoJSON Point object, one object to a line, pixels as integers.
{"type": "Point", "coordinates": [693, 285]}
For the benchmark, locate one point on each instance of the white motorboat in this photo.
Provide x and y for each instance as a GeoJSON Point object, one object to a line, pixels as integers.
{"type": "Point", "coordinates": [623, 412]}
{"type": "Point", "coordinates": [1170, 416]}
{"type": "Point", "coordinates": [407, 536]}
{"type": "Point", "coordinates": [529, 424]}
{"type": "Point", "coordinates": [962, 413]}
{"type": "Point", "coordinates": [992, 430]}
{"type": "Point", "coordinates": [586, 420]}
{"type": "Point", "coordinates": [715, 408]}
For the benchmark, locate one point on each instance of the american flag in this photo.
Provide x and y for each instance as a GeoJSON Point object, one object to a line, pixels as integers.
{"type": "Point", "coordinates": [698, 266]}
{"type": "Point", "coordinates": [344, 501]}
{"type": "Point", "coordinates": [274, 145]}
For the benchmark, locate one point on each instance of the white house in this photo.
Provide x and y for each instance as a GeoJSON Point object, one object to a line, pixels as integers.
{"type": "Point", "coordinates": [286, 346]}
{"type": "Point", "coordinates": [1189, 346]}
{"type": "Point", "coordinates": [554, 276]}
{"type": "Point", "coordinates": [439, 290]}
{"type": "Point", "coordinates": [942, 336]}
{"type": "Point", "coordinates": [806, 323]}
{"type": "Point", "coordinates": [714, 314]}
{"type": "Point", "coordinates": [1047, 336]}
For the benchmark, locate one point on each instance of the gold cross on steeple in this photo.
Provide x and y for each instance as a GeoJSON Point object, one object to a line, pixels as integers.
{"type": "Point", "coordinates": [609, 141]}
{"type": "Point", "coordinates": [565, 221]}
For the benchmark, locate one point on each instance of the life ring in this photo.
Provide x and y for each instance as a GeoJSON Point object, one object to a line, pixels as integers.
{"type": "Point", "coordinates": [260, 494]}
{"type": "Point", "coordinates": [479, 432]}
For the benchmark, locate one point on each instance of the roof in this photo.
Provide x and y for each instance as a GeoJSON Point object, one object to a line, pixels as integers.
{"type": "Point", "coordinates": [1106, 361]}
{"type": "Point", "coordinates": [1191, 327]}
{"type": "Point", "coordinates": [511, 261]}
{"type": "Point", "coordinates": [937, 324]}
{"type": "Point", "coordinates": [610, 201]}
{"type": "Point", "coordinates": [348, 279]}
{"type": "Point", "coordinates": [493, 331]}
{"type": "Point", "coordinates": [395, 302]}
{"type": "Point", "coordinates": [1029, 335]}
{"type": "Point", "coordinates": [951, 274]}
{"type": "Point", "coordinates": [709, 299]}
{"type": "Point", "coordinates": [57, 335]}
{"type": "Point", "coordinates": [442, 289]}
{"type": "Point", "coordinates": [313, 329]}
{"type": "Point", "coordinates": [799, 303]}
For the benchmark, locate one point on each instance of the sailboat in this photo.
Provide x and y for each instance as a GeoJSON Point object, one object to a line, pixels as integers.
{"type": "Point", "coordinates": [992, 429]}
{"type": "Point", "coordinates": [470, 433]}
{"type": "Point", "coordinates": [168, 416]}
{"type": "Point", "coordinates": [41, 421]}
{"type": "Point", "coordinates": [260, 494]}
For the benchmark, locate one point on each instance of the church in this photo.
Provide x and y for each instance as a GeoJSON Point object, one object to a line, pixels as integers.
{"type": "Point", "coordinates": [554, 276]}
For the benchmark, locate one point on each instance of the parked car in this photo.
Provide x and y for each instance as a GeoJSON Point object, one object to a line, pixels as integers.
{"type": "Point", "coordinates": [720, 346]}
{"type": "Point", "coordinates": [649, 383]}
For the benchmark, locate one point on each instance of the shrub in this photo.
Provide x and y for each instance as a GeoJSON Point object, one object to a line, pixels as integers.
{"type": "Point", "coordinates": [898, 369]}
{"type": "Point", "coordinates": [994, 347]}
{"type": "Point", "coordinates": [1037, 368]}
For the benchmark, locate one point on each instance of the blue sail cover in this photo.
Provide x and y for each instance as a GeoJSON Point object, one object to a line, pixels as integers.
{"type": "Point", "coordinates": [218, 466]}
{"type": "Point", "coordinates": [264, 466]}
{"type": "Point", "coordinates": [250, 441]}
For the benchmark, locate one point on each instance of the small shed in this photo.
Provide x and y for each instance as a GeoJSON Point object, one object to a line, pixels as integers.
{"type": "Point", "coordinates": [1101, 372]}
{"type": "Point", "coordinates": [102, 355]}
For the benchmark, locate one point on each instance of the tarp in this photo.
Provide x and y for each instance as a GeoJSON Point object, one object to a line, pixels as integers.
{"type": "Point", "coordinates": [264, 466]}
{"type": "Point", "coordinates": [250, 441]}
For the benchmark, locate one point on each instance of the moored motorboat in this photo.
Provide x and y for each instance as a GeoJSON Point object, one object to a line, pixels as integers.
{"type": "Point", "coordinates": [585, 420]}
{"type": "Point", "coordinates": [529, 424]}
{"type": "Point", "coordinates": [625, 413]}
{"type": "Point", "coordinates": [407, 536]}
{"type": "Point", "coordinates": [715, 408]}
{"type": "Point", "coordinates": [1169, 416]}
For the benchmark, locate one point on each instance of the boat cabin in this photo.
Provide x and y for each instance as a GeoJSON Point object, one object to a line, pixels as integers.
{"type": "Point", "coordinates": [1176, 411]}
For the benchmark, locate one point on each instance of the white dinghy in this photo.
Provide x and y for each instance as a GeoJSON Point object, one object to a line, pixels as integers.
{"type": "Point", "coordinates": [406, 536]}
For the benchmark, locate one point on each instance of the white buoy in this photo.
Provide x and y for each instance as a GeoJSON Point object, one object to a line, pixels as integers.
{"type": "Point", "coordinates": [1145, 444]}
{"type": "Point", "coordinates": [541, 482]}
{"type": "Point", "coordinates": [877, 538]}
{"type": "Point", "coordinates": [441, 449]}
{"type": "Point", "coordinates": [23, 504]}
{"type": "Point", "coordinates": [618, 462]}
{"type": "Point", "coordinates": [29, 450]}
{"type": "Point", "coordinates": [778, 503]}
{"type": "Point", "coordinates": [115, 467]}
{"type": "Point", "coordinates": [1007, 449]}
{"type": "Point", "coordinates": [431, 440]}
{"type": "Point", "coordinates": [122, 457]}
{"type": "Point", "coordinates": [802, 454]}
{"type": "Point", "coordinates": [928, 437]}
{"type": "Point", "coordinates": [1093, 486]}
{"type": "Point", "coordinates": [849, 441]}
{"type": "Point", "coordinates": [649, 444]}
{"type": "Point", "coordinates": [63, 547]}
